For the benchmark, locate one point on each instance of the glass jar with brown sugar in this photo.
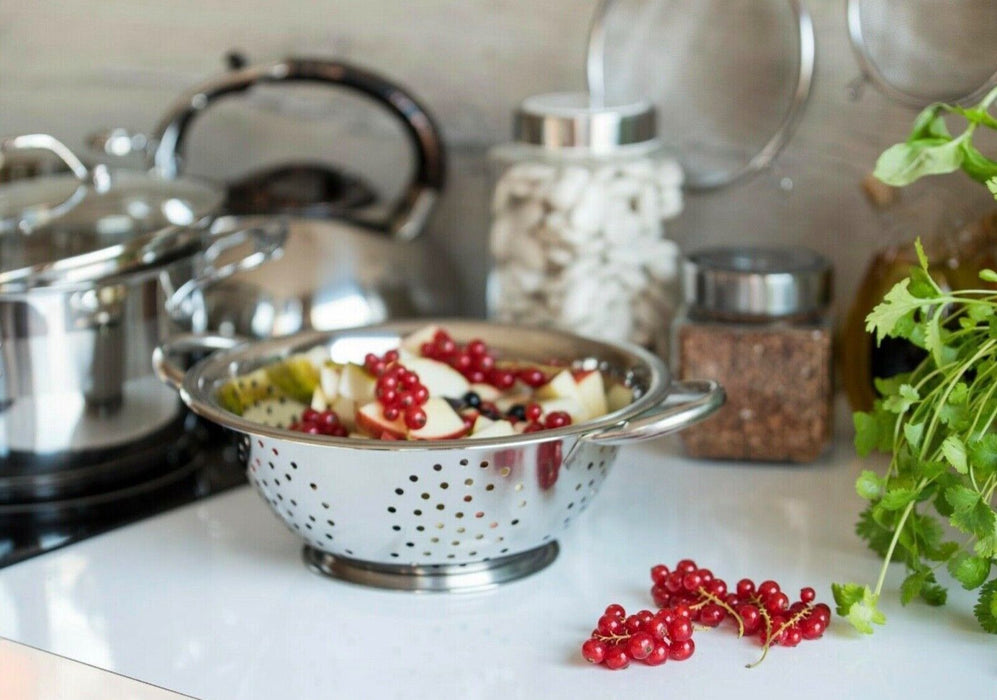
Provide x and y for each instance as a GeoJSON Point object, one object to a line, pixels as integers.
{"type": "Point", "coordinates": [756, 319]}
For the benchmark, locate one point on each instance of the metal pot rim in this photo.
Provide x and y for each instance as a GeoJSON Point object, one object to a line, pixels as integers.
{"type": "Point", "coordinates": [199, 384]}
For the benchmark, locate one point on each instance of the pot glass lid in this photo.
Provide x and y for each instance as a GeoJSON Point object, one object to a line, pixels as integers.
{"type": "Point", "coordinates": [65, 222]}
{"type": "Point", "coordinates": [728, 78]}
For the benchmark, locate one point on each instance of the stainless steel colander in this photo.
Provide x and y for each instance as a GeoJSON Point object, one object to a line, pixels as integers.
{"type": "Point", "coordinates": [440, 515]}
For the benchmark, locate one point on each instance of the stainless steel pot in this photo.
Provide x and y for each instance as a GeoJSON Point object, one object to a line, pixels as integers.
{"type": "Point", "coordinates": [437, 515]}
{"type": "Point", "coordinates": [355, 268]}
{"type": "Point", "coordinates": [97, 267]}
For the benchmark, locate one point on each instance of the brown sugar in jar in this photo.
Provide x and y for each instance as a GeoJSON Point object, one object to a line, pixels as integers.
{"type": "Point", "coordinates": [756, 321]}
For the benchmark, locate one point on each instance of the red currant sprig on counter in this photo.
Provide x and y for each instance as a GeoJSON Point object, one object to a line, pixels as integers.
{"type": "Point", "coordinates": [644, 636]}
{"type": "Point", "coordinates": [763, 611]}
{"type": "Point", "coordinates": [688, 595]}
{"type": "Point", "coordinates": [477, 363]}
{"type": "Point", "coordinates": [319, 423]}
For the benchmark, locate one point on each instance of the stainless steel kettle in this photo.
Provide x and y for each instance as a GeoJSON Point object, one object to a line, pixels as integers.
{"type": "Point", "coordinates": [335, 272]}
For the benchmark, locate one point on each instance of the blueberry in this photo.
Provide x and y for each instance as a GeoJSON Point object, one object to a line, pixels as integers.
{"type": "Point", "coordinates": [518, 412]}
{"type": "Point", "coordinates": [472, 399]}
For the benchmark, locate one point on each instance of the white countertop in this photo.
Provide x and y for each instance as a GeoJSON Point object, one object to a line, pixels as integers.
{"type": "Point", "coordinates": [212, 600]}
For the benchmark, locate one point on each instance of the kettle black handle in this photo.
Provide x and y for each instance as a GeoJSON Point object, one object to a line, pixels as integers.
{"type": "Point", "coordinates": [409, 215]}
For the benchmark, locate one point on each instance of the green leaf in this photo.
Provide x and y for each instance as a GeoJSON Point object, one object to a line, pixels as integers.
{"type": "Point", "coordinates": [914, 432]}
{"type": "Point", "coordinates": [954, 452]}
{"type": "Point", "coordinates": [902, 400]}
{"type": "Point", "coordinates": [911, 587]}
{"type": "Point", "coordinates": [929, 124]}
{"type": "Point", "coordinates": [983, 454]}
{"type": "Point", "coordinates": [903, 163]}
{"type": "Point", "coordinates": [869, 485]}
{"type": "Point", "coordinates": [859, 605]}
{"type": "Point", "coordinates": [919, 248]}
{"type": "Point", "coordinates": [986, 607]}
{"type": "Point", "coordinates": [898, 498]}
{"type": "Point", "coordinates": [896, 305]}
{"type": "Point", "coordinates": [988, 275]}
{"type": "Point", "coordinates": [976, 115]}
{"type": "Point", "coordinates": [866, 432]}
{"type": "Point", "coordinates": [876, 535]}
{"type": "Point", "coordinates": [968, 570]}
{"type": "Point", "coordinates": [846, 595]}
{"type": "Point", "coordinates": [992, 186]}
{"type": "Point", "coordinates": [933, 594]}
{"type": "Point", "coordinates": [922, 285]}
{"type": "Point", "coordinates": [975, 164]}
{"type": "Point", "coordinates": [961, 498]}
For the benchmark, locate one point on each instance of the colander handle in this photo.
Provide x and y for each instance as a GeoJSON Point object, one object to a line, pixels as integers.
{"type": "Point", "coordinates": [687, 403]}
{"type": "Point", "coordinates": [164, 356]}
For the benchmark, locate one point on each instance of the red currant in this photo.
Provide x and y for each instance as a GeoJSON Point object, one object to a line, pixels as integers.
{"type": "Point", "coordinates": [640, 645]}
{"type": "Point", "coordinates": [415, 418]}
{"type": "Point", "coordinates": [534, 377]}
{"type": "Point", "coordinates": [807, 594]}
{"type": "Point", "coordinates": [557, 419]}
{"type": "Point", "coordinates": [658, 655]}
{"type": "Point", "coordinates": [616, 658]}
{"type": "Point", "coordinates": [594, 650]}
{"type": "Point", "coordinates": [680, 651]}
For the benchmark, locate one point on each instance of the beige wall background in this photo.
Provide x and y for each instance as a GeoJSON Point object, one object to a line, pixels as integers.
{"type": "Point", "coordinates": [69, 67]}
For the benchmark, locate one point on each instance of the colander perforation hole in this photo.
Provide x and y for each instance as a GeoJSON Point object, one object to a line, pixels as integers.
{"type": "Point", "coordinates": [311, 518]}
{"type": "Point", "coordinates": [313, 486]}
{"type": "Point", "coordinates": [437, 467]}
{"type": "Point", "coordinates": [400, 491]}
{"type": "Point", "coordinates": [489, 487]}
{"type": "Point", "coordinates": [287, 476]}
{"type": "Point", "coordinates": [394, 555]}
{"type": "Point", "coordinates": [280, 497]}
{"type": "Point", "coordinates": [329, 536]}
{"type": "Point", "coordinates": [308, 525]}
{"type": "Point", "coordinates": [392, 509]}
{"type": "Point", "coordinates": [479, 514]}
{"type": "Point", "coordinates": [420, 528]}
{"type": "Point", "coordinates": [434, 540]}
{"type": "Point", "coordinates": [396, 528]}
{"type": "Point", "coordinates": [294, 465]}
{"type": "Point", "coordinates": [515, 522]}
{"type": "Point", "coordinates": [484, 464]}
{"type": "Point", "coordinates": [424, 496]}
{"type": "Point", "coordinates": [505, 471]}
{"type": "Point", "coordinates": [410, 544]}
{"type": "Point", "coordinates": [468, 482]}
{"type": "Point", "coordinates": [479, 537]}
{"type": "Point", "coordinates": [463, 462]}
{"type": "Point", "coordinates": [590, 465]}
{"type": "Point", "coordinates": [294, 502]}
{"type": "Point", "coordinates": [439, 526]}
{"type": "Point", "coordinates": [468, 498]}
{"type": "Point", "coordinates": [270, 464]}
{"type": "Point", "coordinates": [571, 505]}
{"type": "Point", "coordinates": [444, 485]}
{"type": "Point", "coordinates": [519, 486]}
{"type": "Point", "coordinates": [417, 512]}
{"type": "Point", "coordinates": [330, 523]}
{"type": "Point", "coordinates": [325, 505]}
{"type": "Point", "coordinates": [413, 478]}
{"type": "Point", "coordinates": [440, 506]}
{"type": "Point", "coordinates": [458, 514]}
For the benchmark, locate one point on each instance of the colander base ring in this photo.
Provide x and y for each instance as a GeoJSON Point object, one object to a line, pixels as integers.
{"type": "Point", "coordinates": [437, 578]}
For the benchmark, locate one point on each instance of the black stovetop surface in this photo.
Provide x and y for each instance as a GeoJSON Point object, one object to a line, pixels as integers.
{"type": "Point", "coordinates": [33, 528]}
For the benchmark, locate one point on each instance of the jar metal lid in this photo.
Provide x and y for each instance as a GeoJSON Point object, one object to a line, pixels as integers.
{"type": "Point", "coordinates": [758, 282]}
{"type": "Point", "coordinates": [572, 120]}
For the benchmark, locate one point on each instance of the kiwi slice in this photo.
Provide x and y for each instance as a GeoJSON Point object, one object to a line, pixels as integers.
{"type": "Point", "coordinates": [236, 395]}
{"type": "Point", "coordinates": [277, 413]}
{"type": "Point", "coordinates": [296, 377]}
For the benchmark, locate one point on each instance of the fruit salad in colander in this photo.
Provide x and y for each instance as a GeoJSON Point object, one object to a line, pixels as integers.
{"type": "Point", "coordinates": [428, 388]}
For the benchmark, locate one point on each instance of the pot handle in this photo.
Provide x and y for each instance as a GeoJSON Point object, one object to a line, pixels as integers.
{"type": "Point", "coordinates": [687, 403]}
{"type": "Point", "coordinates": [184, 344]}
{"type": "Point", "coordinates": [409, 215]}
{"type": "Point", "coordinates": [268, 238]}
{"type": "Point", "coordinates": [35, 216]}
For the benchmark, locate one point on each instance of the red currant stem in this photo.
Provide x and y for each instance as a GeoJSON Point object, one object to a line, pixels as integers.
{"type": "Point", "coordinates": [802, 614]}
{"type": "Point", "coordinates": [723, 604]}
{"type": "Point", "coordinates": [612, 638]}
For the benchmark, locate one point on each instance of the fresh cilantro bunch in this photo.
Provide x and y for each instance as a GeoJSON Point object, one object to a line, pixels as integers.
{"type": "Point", "coordinates": [934, 507]}
{"type": "Point", "coordinates": [938, 422]}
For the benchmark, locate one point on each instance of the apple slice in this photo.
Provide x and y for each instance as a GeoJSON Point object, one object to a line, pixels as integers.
{"type": "Point", "coordinates": [371, 420]}
{"type": "Point", "coordinates": [439, 378]}
{"type": "Point", "coordinates": [570, 406]}
{"type": "Point", "coordinates": [357, 384]}
{"type": "Point", "coordinates": [592, 392]}
{"type": "Point", "coordinates": [498, 428]}
{"type": "Point", "coordinates": [320, 401]}
{"type": "Point", "coordinates": [346, 410]}
{"type": "Point", "coordinates": [481, 423]}
{"type": "Point", "coordinates": [486, 391]}
{"type": "Point", "coordinates": [561, 386]}
{"type": "Point", "coordinates": [442, 422]}
{"type": "Point", "coordinates": [619, 396]}
{"type": "Point", "coordinates": [329, 377]}
{"type": "Point", "coordinates": [414, 341]}
{"type": "Point", "coordinates": [509, 400]}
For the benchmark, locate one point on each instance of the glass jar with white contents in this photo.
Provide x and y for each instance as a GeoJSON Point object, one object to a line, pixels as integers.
{"type": "Point", "coordinates": [579, 206]}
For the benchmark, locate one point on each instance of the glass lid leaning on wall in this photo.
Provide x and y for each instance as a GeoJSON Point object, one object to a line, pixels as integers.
{"type": "Point", "coordinates": [729, 78]}
{"type": "Point", "coordinates": [917, 52]}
